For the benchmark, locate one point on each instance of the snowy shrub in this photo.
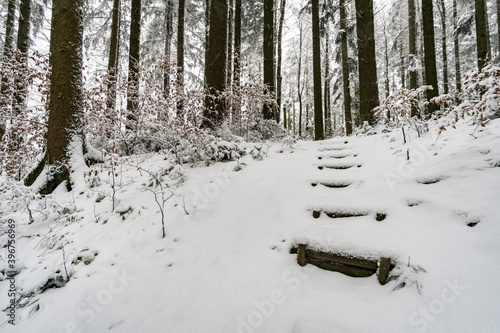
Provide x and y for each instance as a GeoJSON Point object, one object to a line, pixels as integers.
{"type": "Point", "coordinates": [396, 110]}
{"type": "Point", "coordinates": [23, 111]}
{"type": "Point", "coordinates": [15, 197]}
{"type": "Point", "coordinates": [480, 99]}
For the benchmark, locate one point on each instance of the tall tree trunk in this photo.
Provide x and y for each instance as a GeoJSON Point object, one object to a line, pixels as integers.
{"type": "Point", "coordinates": [368, 87]}
{"type": "Point", "coordinates": [23, 31]}
{"type": "Point", "coordinates": [498, 26]}
{"type": "Point", "coordinates": [328, 123]}
{"type": "Point", "coordinates": [481, 34]}
{"type": "Point", "coordinates": [7, 49]}
{"type": "Point", "coordinates": [299, 84]}
{"type": "Point", "coordinates": [458, 76]}
{"type": "Point", "coordinates": [113, 55]}
{"type": "Point", "coordinates": [486, 18]}
{"type": "Point", "coordinates": [237, 43]}
{"type": "Point", "coordinates": [319, 133]}
{"type": "Point", "coordinates": [268, 54]}
{"type": "Point", "coordinates": [430, 53]}
{"type": "Point", "coordinates": [215, 110]}
{"type": "Point", "coordinates": [230, 57]}
{"type": "Point", "coordinates": [401, 65]}
{"type": "Point", "coordinates": [133, 64]}
{"type": "Point", "coordinates": [207, 35]}
{"type": "Point", "coordinates": [169, 32]}
{"type": "Point", "coordinates": [278, 69]}
{"type": "Point", "coordinates": [345, 70]}
{"type": "Point", "coordinates": [64, 133]}
{"type": "Point", "coordinates": [180, 57]}
{"type": "Point", "coordinates": [442, 12]}
{"type": "Point", "coordinates": [412, 44]}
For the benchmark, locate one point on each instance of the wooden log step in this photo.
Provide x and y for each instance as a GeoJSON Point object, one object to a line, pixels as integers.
{"type": "Point", "coordinates": [339, 167]}
{"type": "Point", "coordinates": [344, 214]}
{"type": "Point", "coordinates": [351, 266]}
{"type": "Point", "coordinates": [331, 184]}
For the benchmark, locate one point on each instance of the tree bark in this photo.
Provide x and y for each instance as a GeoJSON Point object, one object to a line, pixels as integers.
{"type": "Point", "coordinates": [318, 112]}
{"type": "Point", "coordinates": [207, 35]}
{"type": "Point", "coordinates": [280, 54]}
{"type": "Point", "coordinates": [113, 55]}
{"type": "Point", "coordinates": [458, 78]}
{"type": "Point", "coordinates": [180, 57]}
{"type": "Point", "coordinates": [481, 34]}
{"type": "Point", "coordinates": [64, 132]}
{"type": "Point", "coordinates": [237, 43]}
{"type": "Point", "coordinates": [268, 111]}
{"type": "Point", "coordinates": [169, 32]}
{"type": "Point", "coordinates": [215, 67]}
{"type": "Point", "coordinates": [299, 84]}
{"type": "Point", "coordinates": [412, 44]}
{"type": "Point", "coordinates": [133, 64]}
{"type": "Point", "coordinates": [345, 69]}
{"type": "Point", "coordinates": [442, 12]}
{"type": "Point", "coordinates": [368, 87]}
{"type": "Point", "coordinates": [23, 32]}
{"type": "Point", "coordinates": [7, 49]}
{"type": "Point", "coordinates": [429, 53]}
{"type": "Point", "coordinates": [230, 57]}
{"type": "Point", "coordinates": [328, 123]}
{"type": "Point", "coordinates": [498, 26]}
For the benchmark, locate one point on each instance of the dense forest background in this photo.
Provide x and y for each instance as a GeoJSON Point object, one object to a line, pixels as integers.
{"type": "Point", "coordinates": [183, 76]}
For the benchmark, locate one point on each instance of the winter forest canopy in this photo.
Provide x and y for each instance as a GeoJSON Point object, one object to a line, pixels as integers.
{"type": "Point", "coordinates": [98, 94]}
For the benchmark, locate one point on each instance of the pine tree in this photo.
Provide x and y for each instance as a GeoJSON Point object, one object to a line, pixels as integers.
{"type": "Point", "coordinates": [215, 66]}
{"type": "Point", "coordinates": [64, 134]}
{"type": "Point", "coordinates": [429, 53]}
{"type": "Point", "coordinates": [368, 86]}
{"type": "Point", "coordinates": [268, 48]}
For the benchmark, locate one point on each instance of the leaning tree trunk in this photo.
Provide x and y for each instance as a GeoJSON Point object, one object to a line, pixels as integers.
{"type": "Point", "coordinates": [345, 70]}
{"type": "Point", "coordinates": [180, 57]}
{"type": "Point", "coordinates": [481, 34]}
{"type": "Point", "coordinates": [368, 87]}
{"type": "Point", "coordinates": [268, 110]}
{"type": "Point", "coordinates": [64, 134]}
{"type": "Point", "coordinates": [113, 55]}
{"type": "Point", "coordinates": [215, 109]}
{"type": "Point", "coordinates": [133, 65]}
{"type": "Point", "coordinates": [319, 133]}
{"type": "Point", "coordinates": [429, 53]}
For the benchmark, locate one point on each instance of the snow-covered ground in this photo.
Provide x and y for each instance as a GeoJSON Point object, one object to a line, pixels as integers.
{"type": "Point", "coordinates": [225, 264]}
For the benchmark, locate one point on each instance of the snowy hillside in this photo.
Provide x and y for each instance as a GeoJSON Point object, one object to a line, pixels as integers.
{"type": "Point", "coordinates": [225, 263]}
